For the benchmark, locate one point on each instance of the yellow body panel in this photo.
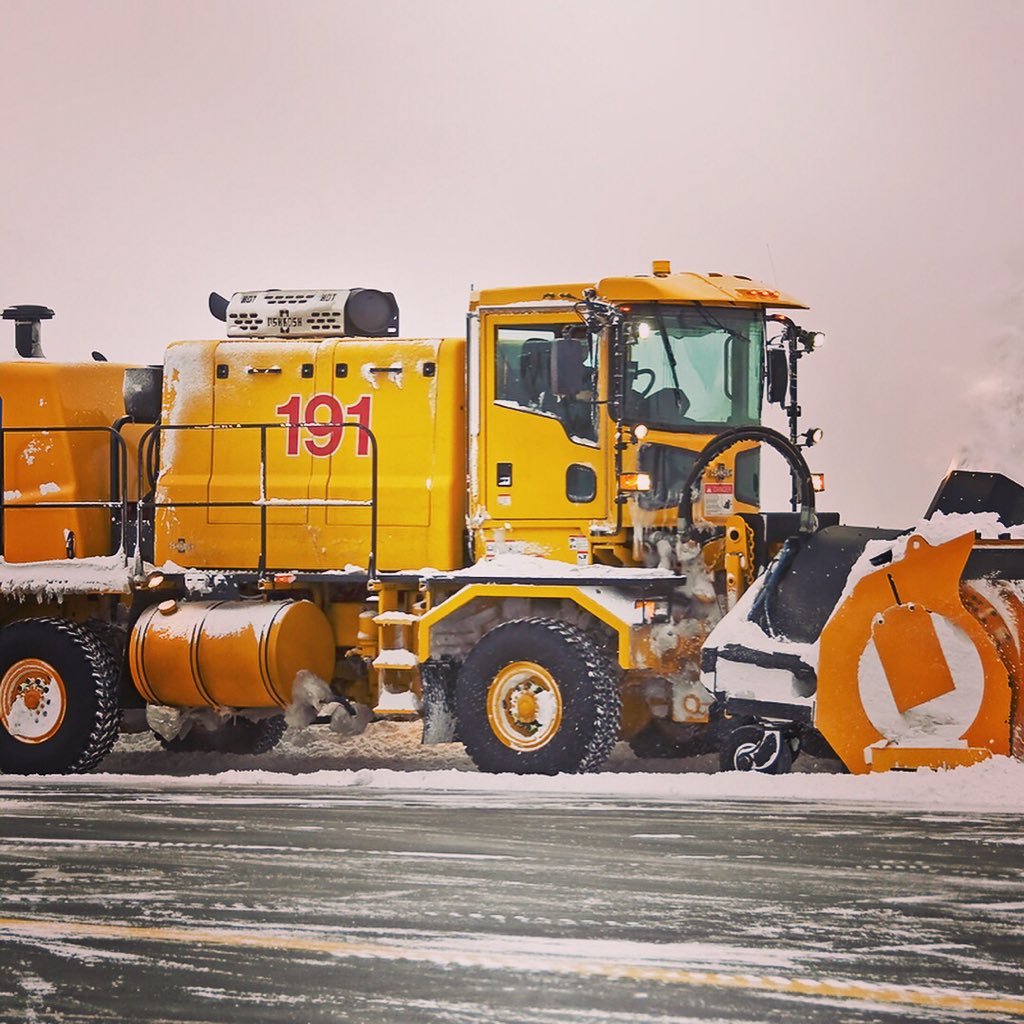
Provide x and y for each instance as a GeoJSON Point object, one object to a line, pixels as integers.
{"type": "Point", "coordinates": [490, 591]}
{"type": "Point", "coordinates": [410, 393]}
{"type": "Point", "coordinates": [56, 465]}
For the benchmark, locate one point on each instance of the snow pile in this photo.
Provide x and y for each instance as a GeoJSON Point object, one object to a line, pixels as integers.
{"type": "Point", "coordinates": [52, 580]}
{"type": "Point", "coordinates": [994, 784]}
{"type": "Point", "coordinates": [519, 566]}
{"type": "Point", "coordinates": [389, 756]}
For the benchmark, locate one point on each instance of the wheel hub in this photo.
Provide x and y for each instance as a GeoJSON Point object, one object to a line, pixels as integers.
{"type": "Point", "coordinates": [524, 706]}
{"type": "Point", "coordinates": [33, 700]}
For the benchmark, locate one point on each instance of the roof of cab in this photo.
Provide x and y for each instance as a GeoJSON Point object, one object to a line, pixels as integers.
{"type": "Point", "coordinates": [709, 289]}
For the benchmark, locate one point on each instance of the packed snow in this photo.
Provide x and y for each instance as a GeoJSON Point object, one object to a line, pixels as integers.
{"type": "Point", "coordinates": [388, 755]}
{"type": "Point", "coordinates": [108, 574]}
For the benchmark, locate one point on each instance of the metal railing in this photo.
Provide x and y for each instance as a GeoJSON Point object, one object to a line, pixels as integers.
{"type": "Point", "coordinates": [264, 501]}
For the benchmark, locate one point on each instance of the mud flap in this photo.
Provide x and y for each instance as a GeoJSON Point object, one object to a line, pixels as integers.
{"type": "Point", "coordinates": [437, 677]}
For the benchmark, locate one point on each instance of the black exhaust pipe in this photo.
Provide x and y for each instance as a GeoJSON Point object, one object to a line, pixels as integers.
{"type": "Point", "coordinates": [26, 328]}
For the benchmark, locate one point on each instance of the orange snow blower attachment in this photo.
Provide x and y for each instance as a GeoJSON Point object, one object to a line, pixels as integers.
{"type": "Point", "coordinates": [887, 650]}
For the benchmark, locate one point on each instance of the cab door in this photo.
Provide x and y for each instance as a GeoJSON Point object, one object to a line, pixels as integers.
{"type": "Point", "coordinates": [543, 435]}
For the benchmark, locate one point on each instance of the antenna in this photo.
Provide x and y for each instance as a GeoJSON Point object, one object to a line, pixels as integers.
{"type": "Point", "coordinates": [771, 260]}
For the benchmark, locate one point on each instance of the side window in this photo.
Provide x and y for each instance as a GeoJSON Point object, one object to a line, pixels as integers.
{"type": "Point", "coordinates": [550, 370]}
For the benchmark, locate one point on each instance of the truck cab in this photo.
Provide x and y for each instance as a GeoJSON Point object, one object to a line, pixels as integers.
{"type": "Point", "coordinates": [590, 401]}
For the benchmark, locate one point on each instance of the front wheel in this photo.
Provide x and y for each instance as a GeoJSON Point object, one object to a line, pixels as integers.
{"type": "Point", "coordinates": [538, 696]}
{"type": "Point", "coordinates": [59, 708]}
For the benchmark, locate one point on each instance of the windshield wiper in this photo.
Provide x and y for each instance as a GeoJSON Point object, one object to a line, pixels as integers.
{"type": "Point", "coordinates": [670, 355]}
{"type": "Point", "coordinates": [715, 322]}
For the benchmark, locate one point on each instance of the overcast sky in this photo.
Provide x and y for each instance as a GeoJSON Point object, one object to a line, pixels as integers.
{"type": "Point", "coordinates": [867, 157]}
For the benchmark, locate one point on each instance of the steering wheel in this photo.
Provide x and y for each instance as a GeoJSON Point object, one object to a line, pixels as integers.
{"type": "Point", "coordinates": [645, 372]}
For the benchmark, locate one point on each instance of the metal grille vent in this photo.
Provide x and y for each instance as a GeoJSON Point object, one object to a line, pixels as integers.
{"type": "Point", "coordinates": [326, 322]}
{"type": "Point", "coordinates": [249, 322]}
{"type": "Point", "coordinates": [289, 298]}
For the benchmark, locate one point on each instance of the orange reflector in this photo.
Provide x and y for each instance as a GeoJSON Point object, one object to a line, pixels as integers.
{"type": "Point", "coordinates": [818, 482]}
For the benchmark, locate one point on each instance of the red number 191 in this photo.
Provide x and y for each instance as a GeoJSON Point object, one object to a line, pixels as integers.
{"type": "Point", "coordinates": [326, 435]}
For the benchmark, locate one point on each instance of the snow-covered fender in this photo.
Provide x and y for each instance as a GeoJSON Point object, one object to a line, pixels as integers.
{"type": "Point", "coordinates": [606, 604]}
{"type": "Point", "coordinates": [907, 676]}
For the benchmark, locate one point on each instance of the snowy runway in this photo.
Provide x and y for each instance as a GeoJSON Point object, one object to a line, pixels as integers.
{"type": "Point", "coordinates": [313, 900]}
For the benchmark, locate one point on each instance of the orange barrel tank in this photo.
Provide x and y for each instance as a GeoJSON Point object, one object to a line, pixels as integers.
{"type": "Point", "coordinates": [240, 654]}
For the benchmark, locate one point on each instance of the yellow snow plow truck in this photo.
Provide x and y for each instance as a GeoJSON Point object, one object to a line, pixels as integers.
{"type": "Point", "coordinates": [524, 535]}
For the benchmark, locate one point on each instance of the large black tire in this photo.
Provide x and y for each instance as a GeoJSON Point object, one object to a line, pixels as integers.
{"type": "Point", "coordinates": [752, 748]}
{"type": "Point", "coordinates": [538, 696]}
{"type": "Point", "coordinates": [59, 710]}
{"type": "Point", "coordinates": [236, 736]}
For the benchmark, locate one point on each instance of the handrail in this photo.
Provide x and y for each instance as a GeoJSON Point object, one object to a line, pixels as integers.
{"type": "Point", "coordinates": [263, 502]}
{"type": "Point", "coordinates": [117, 443]}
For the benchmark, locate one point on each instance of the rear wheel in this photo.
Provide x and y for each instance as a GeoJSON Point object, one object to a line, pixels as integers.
{"type": "Point", "coordinates": [58, 698]}
{"type": "Point", "coordinates": [537, 696]}
{"type": "Point", "coordinates": [235, 736]}
{"type": "Point", "coordinates": [752, 748]}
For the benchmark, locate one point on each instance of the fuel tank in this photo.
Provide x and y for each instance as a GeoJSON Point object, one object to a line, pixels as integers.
{"type": "Point", "coordinates": [228, 653]}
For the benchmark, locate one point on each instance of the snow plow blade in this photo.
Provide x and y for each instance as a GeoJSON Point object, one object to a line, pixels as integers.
{"type": "Point", "coordinates": [892, 650]}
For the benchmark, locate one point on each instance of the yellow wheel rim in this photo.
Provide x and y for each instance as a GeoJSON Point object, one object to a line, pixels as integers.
{"type": "Point", "coordinates": [33, 700]}
{"type": "Point", "coordinates": [524, 706]}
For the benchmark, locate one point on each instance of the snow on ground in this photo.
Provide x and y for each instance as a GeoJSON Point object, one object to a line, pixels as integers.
{"type": "Point", "coordinates": [389, 756]}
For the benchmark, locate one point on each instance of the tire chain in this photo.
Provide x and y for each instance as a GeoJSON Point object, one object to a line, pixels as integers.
{"type": "Point", "coordinates": [604, 677]}
{"type": "Point", "coordinates": [105, 670]}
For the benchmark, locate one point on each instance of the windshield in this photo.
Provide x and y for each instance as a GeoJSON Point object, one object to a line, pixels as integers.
{"type": "Point", "coordinates": [690, 367]}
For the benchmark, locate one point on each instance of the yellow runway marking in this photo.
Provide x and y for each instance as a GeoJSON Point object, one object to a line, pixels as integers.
{"type": "Point", "coordinates": [861, 991]}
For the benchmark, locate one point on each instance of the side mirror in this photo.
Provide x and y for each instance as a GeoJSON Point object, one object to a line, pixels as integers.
{"type": "Point", "coordinates": [568, 366]}
{"type": "Point", "coordinates": [776, 375]}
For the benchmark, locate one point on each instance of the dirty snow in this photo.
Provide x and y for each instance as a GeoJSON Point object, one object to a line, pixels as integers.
{"type": "Point", "coordinates": [388, 756]}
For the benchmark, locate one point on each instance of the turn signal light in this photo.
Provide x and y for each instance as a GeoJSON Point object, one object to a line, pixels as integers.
{"type": "Point", "coordinates": [818, 482]}
{"type": "Point", "coordinates": [653, 611]}
{"type": "Point", "coordinates": [634, 482]}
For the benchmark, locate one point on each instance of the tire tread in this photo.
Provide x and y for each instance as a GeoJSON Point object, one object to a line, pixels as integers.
{"type": "Point", "coordinates": [601, 679]}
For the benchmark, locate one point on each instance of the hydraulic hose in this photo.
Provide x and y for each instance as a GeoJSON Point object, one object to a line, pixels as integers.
{"type": "Point", "coordinates": [763, 435]}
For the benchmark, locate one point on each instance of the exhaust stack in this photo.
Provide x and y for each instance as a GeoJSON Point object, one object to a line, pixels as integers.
{"type": "Point", "coordinates": [27, 320]}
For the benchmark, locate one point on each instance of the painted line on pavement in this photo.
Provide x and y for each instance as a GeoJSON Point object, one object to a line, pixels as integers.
{"type": "Point", "coordinates": [832, 988]}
